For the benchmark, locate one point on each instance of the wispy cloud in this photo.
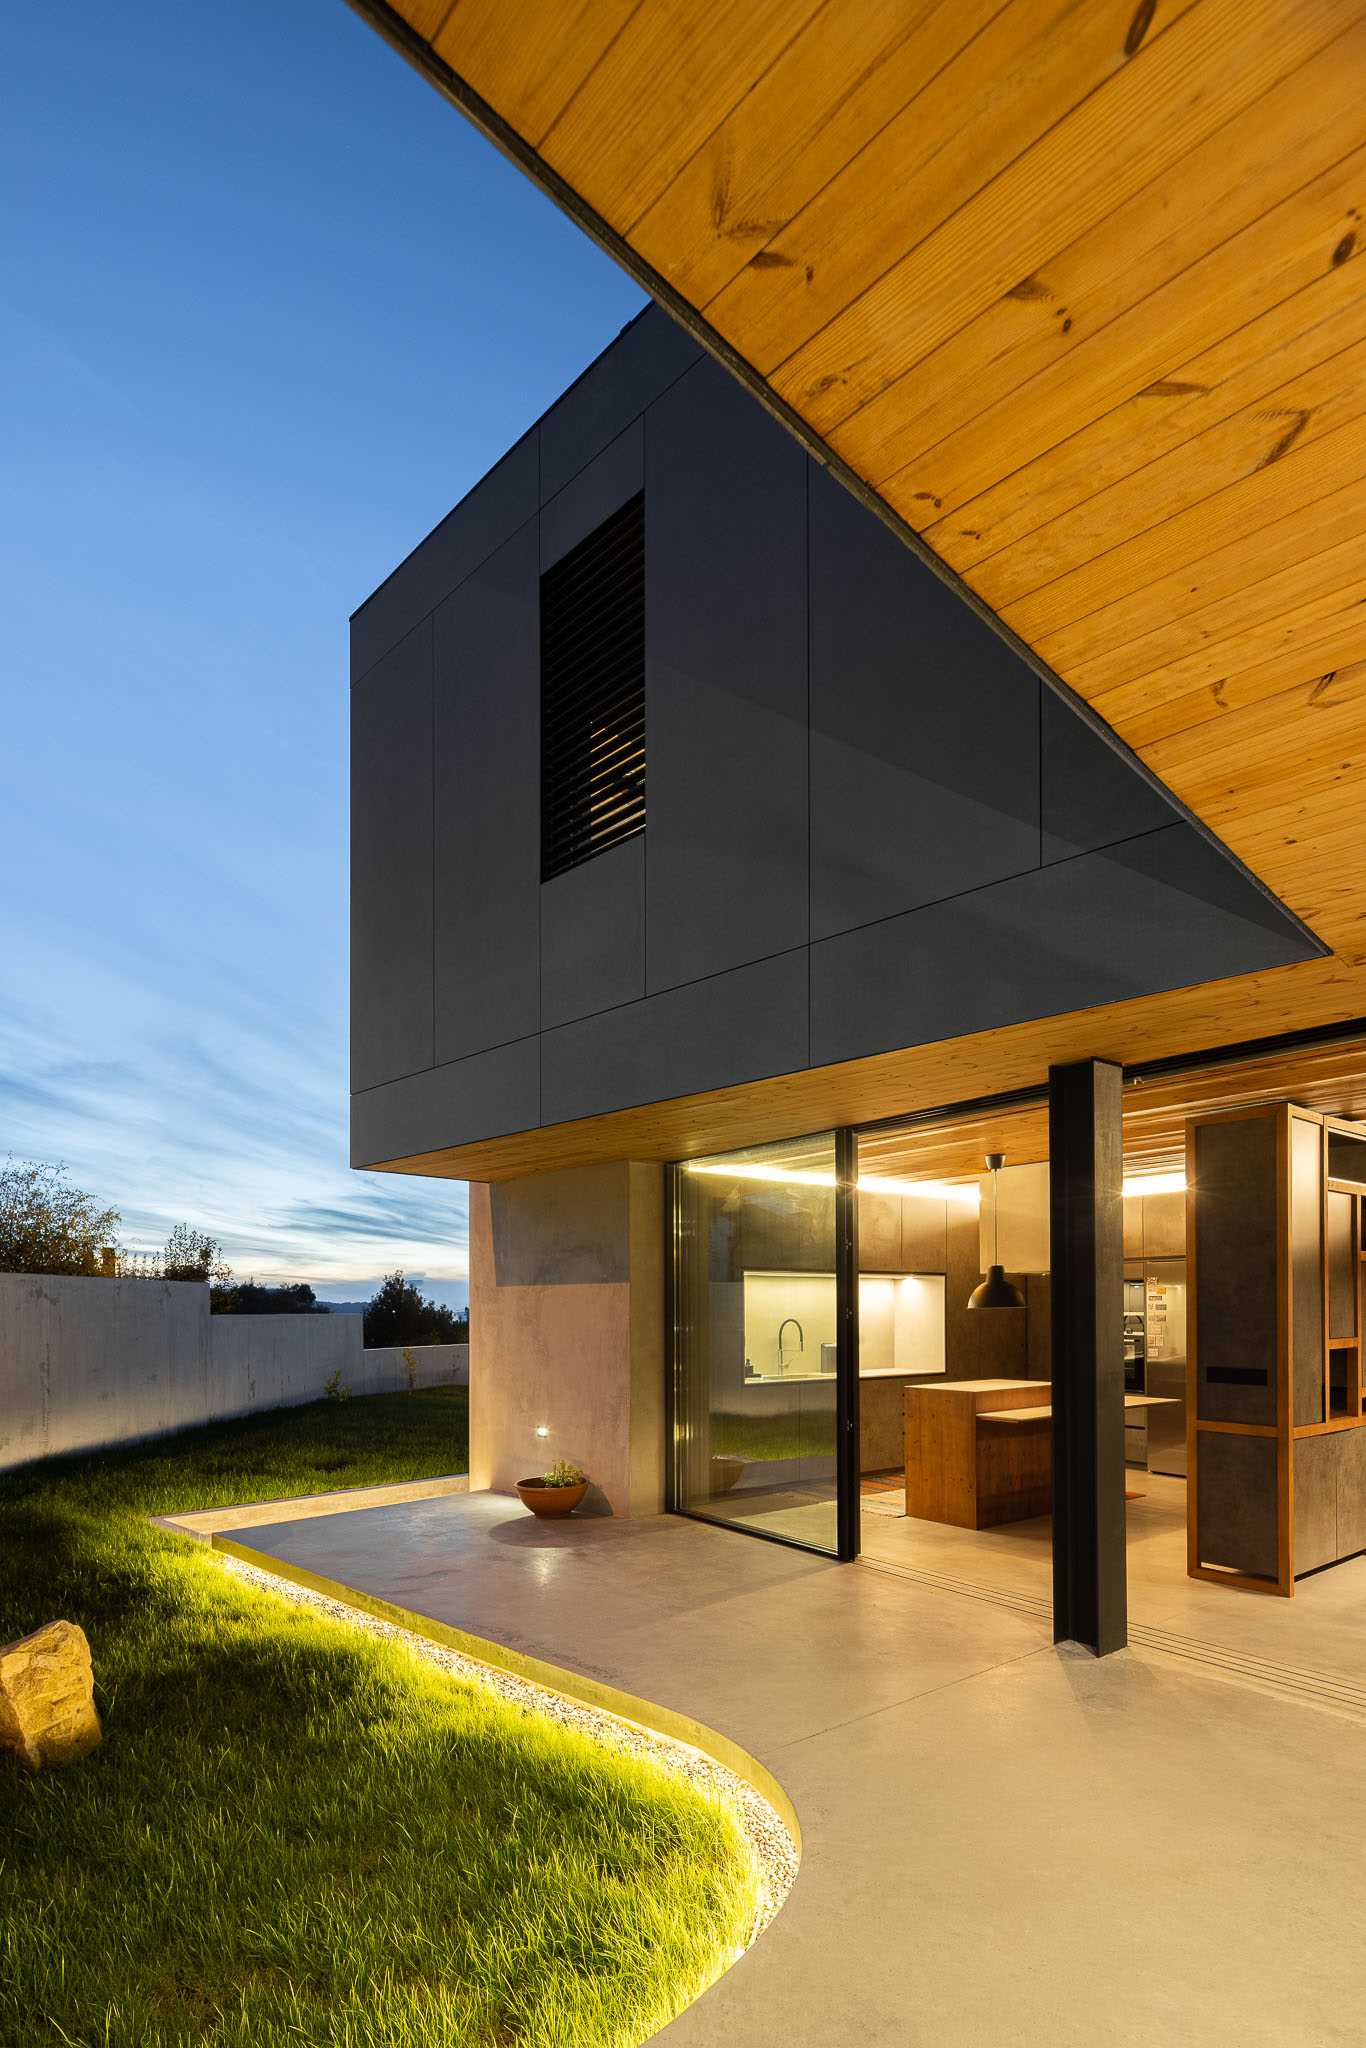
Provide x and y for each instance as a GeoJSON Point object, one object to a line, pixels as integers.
{"type": "Point", "coordinates": [244, 1139]}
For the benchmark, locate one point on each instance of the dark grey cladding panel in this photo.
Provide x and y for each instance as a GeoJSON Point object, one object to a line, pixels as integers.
{"type": "Point", "coordinates": [1164, 911]}
{"type": "Point", "coordinates": [499, 503]}
{"type": "Point", "coordinates": [725, 622]}
{"type": "Point", "coordinates": [1092, 795]}
{"type": "Point", "coordinates": [487, 740]}
{"type": "Point", "coordinates": [483, 1097]}
{"type": "Point", "coordinates": [713, 1034]}
{"type": "Point", "coordinates": [609, 481]}
{"type": "Point", "coordinates": [391, 864]}
{"type": "Point", "coordinates": [644, 361]}
{"type": "Point", "coordinates": [593, 935]}
{"type": "Point", "coordinates": [924, 729]}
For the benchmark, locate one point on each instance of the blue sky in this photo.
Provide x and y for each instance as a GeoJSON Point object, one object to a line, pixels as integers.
{"type": "Point", "coordinates": [268, 307]}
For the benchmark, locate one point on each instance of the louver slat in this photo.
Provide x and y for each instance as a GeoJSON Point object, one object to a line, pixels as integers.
{"type": "Point", "coordinates": [593, 693]}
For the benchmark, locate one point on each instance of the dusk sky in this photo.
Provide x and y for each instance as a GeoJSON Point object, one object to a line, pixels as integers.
{"type": "Point", "coordinates": [269, 308]}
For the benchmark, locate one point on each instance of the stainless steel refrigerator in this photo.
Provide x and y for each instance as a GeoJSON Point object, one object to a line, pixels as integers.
{"type": "Point", "coordinates": [1164, 1330]}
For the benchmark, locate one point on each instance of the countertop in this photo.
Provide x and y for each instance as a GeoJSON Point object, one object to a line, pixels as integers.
{"type": "Point", "coordinates": [872, 1372]}
{"type": "Point", "coordinates": [979, 1386]}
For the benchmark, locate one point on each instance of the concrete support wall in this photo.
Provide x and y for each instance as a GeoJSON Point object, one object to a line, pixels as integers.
{"type": "Point", "coordinates": [567, 1332]}
{"type": "Point", "coordinates": [85, 1363]}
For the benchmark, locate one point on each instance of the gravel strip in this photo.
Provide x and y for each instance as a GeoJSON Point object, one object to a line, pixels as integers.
{"type": "Point", "coordinates": [773, 1849]}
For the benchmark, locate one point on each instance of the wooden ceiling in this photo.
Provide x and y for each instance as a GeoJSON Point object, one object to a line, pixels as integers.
{"type": "Point", "coordinates": [1328, 1078]}
{"type": "Point", "coordinates": [1075, 289]}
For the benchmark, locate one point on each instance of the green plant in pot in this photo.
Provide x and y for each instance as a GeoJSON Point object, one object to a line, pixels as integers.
{"type": "Point", "coordinates": [556, 1492]}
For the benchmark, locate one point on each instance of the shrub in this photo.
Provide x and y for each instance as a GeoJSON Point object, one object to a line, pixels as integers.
{"type": "Point", "coordinates": [46, 1224]}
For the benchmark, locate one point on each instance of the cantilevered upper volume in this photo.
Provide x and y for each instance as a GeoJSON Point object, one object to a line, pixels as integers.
{"type": "Point", "coordinates": [1072, 302]}
{"type": "Point", "coordinates": [685, 794]}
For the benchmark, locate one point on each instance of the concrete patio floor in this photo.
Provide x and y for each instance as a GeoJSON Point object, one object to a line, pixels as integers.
{"type": "Point", "coordinates": [1319, 1634]}
{"type": "Point", "coordinates": [1002, 1842]}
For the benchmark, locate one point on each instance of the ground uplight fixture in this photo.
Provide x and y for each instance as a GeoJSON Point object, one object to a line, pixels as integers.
{"type": "Point", "coordinates": [541, 1429]}
{"type": "Point", "coordinates": [996, 1291]}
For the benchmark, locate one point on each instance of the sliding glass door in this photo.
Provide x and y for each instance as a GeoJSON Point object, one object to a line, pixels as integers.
{"type": "Point", "coordinates": [757, 1409]}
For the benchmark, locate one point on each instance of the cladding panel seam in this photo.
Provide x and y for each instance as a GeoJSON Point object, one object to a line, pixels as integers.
{"type": "Point", "coordinates": [462, 1060]}
{"type": "Point", "coordinates": [783, 953]}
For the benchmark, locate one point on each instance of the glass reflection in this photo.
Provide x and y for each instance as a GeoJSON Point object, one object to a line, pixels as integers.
{"type": "Point", "coordinates": [754, 1406]}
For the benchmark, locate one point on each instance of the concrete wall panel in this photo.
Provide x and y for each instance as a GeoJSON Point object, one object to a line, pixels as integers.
{"type": "Point", "coordinates": [384, 1368]}
{"type": "Point", "coordinates": [566, 1321]}
{"type": "Point", "coordinates": [276, 1361]}
{"type": "Point", "coordinates": [87, 1363]}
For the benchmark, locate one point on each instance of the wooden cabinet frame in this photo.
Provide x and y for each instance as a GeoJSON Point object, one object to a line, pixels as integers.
{"type": "Point", "coordinates": [1284, 1430]}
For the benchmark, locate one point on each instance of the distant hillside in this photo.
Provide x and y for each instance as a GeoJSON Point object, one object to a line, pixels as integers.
{"type": "Point", "coordinates": [345, 1308]}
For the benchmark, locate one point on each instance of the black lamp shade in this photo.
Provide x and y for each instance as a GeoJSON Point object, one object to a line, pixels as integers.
{"type": "Point", "coordinates": [996, 1292]}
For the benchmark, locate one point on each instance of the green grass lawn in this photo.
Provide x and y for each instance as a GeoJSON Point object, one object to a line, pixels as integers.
{"type": "Point", "coordinates": [297, 1834]}
{"type": "Point", "coordinates": [759, 1438]}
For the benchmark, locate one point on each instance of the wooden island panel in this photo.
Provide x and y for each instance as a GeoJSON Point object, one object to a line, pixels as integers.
{"type": "Point", "coordinates": [972, 1476]}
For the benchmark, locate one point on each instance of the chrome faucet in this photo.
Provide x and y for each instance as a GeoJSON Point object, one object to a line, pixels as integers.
{"type": "Point", "coordinates": [801, 1340]}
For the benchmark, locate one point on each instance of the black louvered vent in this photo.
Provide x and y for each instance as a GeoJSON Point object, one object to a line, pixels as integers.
{"type": "Point", "coordinates": [593, 693]}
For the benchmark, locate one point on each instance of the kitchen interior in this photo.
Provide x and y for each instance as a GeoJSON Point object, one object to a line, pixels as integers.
{"type": "Point", "coordinates": [956, 1455]}
{"type": "Point", "coordinates": [1244, 1256]}
{"type": "Point", "coordinates": [1244, 1253]}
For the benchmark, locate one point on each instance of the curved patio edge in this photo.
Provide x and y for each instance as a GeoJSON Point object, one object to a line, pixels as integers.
{"type": "Point", "coordinates": [557, 1678]}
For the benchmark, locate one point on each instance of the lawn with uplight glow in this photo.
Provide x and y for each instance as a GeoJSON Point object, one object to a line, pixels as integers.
{"type": "Point", "coordinates": [295, 1833]}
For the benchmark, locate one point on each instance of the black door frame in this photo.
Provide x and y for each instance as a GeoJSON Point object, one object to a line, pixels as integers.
{"type": "Point", "coordinates": [846, 1355]}
{"type": "Point", "coordinates": [848, 1508]}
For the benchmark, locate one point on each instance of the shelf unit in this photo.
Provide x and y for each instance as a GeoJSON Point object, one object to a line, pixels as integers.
{"type": "Point", "coordinates": [1276, 1419]}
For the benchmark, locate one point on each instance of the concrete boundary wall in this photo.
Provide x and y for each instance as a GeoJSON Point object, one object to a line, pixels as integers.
{"type": "Point", "coordinates": [86, 1363]}
{"type": "Point", "coordinates": [384, 1370]}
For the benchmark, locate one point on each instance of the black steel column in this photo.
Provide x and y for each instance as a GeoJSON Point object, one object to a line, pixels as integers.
{"type": "Point", "coordinates": [1086, 1173]}
{"type": "Point", "coordinates": [847, 1459]}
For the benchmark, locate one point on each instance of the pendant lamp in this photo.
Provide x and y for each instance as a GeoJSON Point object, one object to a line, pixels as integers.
{"type": "Point", "coordinates": [996, 1291]}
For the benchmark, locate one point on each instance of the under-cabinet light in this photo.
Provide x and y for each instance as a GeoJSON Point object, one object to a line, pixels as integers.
{"type": "Point", "coordinates": [928, 1190]}
{"type": "Point", "coordinates": [868, 1183]}
{"type": "Point", "coordinates": [1155, 1184]}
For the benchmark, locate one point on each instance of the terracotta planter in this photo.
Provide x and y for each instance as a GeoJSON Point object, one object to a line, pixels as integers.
{"type": "Point", "coordinates": [725, 1473]}
{"type": "Point", "coordinates": [550, 1502]}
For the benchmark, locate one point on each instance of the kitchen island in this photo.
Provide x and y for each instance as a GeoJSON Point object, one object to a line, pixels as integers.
{"type": "Point", "coordinates": [979, 1452]}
